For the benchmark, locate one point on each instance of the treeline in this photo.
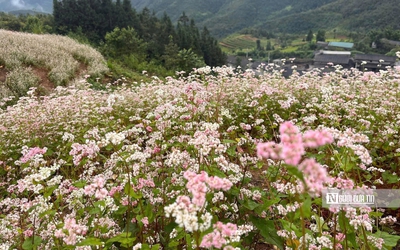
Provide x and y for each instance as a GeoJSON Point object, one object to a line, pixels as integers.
{"type": "Point", "coordinates": [158, 36]}
{"type": "Point", "coordinates": [130, 40]}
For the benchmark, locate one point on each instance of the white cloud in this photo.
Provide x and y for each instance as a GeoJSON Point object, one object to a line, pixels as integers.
{"type": "Point", "coordinates": [18, 3]}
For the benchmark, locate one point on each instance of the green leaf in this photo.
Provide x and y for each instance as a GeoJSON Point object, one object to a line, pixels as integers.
{"type": "Point", "coordinates": [307, 207]}
{"type": "Point", "coordinates": [266, 204]}
{"type": "Point", "coordinates": [121, 210]}
{"type": "Point", "coordinates": [173, 244]}
{"type": "Point", "coordinates": [95, 210]}
{"type": "Point", "coordinates": [234, 191]}
{"type": "Point", "coordinates": [155, 247]}
{"type": "Point", "coordinates": [251, 205]}
{"type": "Point", "coordinates": [289, 226]}
{"type": "Point", "coordinates": [49, 191]}
{"type": "Point", "coordinates": [168, 228]}
{"type": "Point", "coordinates": [352, 238]}
{"type": "Point", "coordinates": [124, 239]}
{"type": "Point", "coordinates": [48, 212]}
{"type": "Point", "coordinates": [390, 239]}
{"type": "Point", "coordinates": [228, 141]}
{"type": "Point", "coordinates": [188, 239]}
{"type": "Point", "coordinates": [90, 242]}
{"type": "Point", "coordinates": [79, 184]}
{"type": "Point", "coordinates": [268, 231]}
{"type": "Point", "coordinates": [296, 172]}
{"type": "Point", "coordinates": [390, 178]}
{"type": "Point", "coordinates": [31, 243]}
{"type": "Point", "coordinates": [129, 191]}
{"type": "Point", "coordinates": [231, 151]}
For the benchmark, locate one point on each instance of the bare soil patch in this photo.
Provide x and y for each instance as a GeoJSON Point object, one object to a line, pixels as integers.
{"type": "Point", "coordinates": [248, 37]}
{"type": "Point", "coordinates": [226, 45]}
{"type": "Point", "coordinates": [81, 69]}
{"type": "Point", "coordinates": [3, 73]}
{"type": "Point", "coordinates": [44, 81]}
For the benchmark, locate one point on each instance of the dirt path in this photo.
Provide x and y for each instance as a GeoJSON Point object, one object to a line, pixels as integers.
{"type": "Point", "coordinates": [43, 74]}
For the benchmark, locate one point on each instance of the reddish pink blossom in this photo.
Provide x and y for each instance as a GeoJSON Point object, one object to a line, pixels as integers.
{"type": "Point", "coordinates": [145, 221]}
{"type": "Point", "coordinates": [314, 138]}
{"type": "Point", "coordinates": [28, 233]}
{"type": "Point", "coordinates": [32, 152]}
{"type": "Point", "coordinates": [220, 236]}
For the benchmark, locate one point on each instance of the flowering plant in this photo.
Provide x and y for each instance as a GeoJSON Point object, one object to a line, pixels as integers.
{"type": "Point", "coordinates": [216, 160]}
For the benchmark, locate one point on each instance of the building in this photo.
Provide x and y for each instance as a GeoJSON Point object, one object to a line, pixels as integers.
{"type": "Point", "coordinates": [373, 62]}
{"type": "Point", "coordinates": [390, 43]}
{"type": "Point", "coordinates": [343, 45]}
{"type": "Point", "coordinates": [323, 57]}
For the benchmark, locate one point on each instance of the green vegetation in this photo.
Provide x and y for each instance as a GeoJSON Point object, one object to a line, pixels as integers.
{"type": "Point", "coordinates": [131, 42]}
{"type": "Point", "coordinates": [286, 16]}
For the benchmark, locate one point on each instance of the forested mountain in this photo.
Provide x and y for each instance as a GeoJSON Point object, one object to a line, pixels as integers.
{"type": "Point", "coordinates": [352, 15]}
{"type": "Point", "coordinates": [224, 17]}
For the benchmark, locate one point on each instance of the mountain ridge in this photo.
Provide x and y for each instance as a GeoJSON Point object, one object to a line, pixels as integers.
{"type": "Point", "coordinates": [286, 16]}
{"type": "Point", "coordinates": [224, 17]}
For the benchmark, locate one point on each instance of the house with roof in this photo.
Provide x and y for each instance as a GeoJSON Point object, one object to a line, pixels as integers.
{"type": "Point", "coordinates": [390, 43]}
{"type": "Point", "coordinates": [335, 45]}
{"type": "Point", "coordinates": [343, 45]}
{"type": "Point", "coordinates": [324, 57]}
{"type": "Point", "coordinates": [373, 62]}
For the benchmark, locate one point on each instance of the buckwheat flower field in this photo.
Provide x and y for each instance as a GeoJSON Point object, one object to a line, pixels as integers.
{"type": "Point", "coordinates": [214, 160]}
{"type": "Point", "coordinates": [59, 56]}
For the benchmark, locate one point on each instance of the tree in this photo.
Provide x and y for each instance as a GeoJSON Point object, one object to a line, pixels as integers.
{"type": "Point", "coordinates": [188, 60]}
{"type": "Point", "coordinates": [269, 46]}
{"type": "Point", "coordinates": [310, 36]}
{"type": "Point", "coordinates": [258, 44]}
{"type": "Point", "coordinates": [124, 42]}
{"type": "Point", "coordinates": [170, 56]}
{"type": "Point", "coordinates": [320, 36]}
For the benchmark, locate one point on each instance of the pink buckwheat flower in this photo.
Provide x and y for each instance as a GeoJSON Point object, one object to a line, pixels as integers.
{"type": "Point", "coordinates": [269, 150]}
{"type": "Point", "coordinates": [101, 193]}
{"type": "Point", "coordinates": [145, 221]}
{"type": "Point", "coordinates": [221, 235]}
{"type": "Point", "coordinates": [314, 138]}
{"type": "Point", "coordinates": [31, 153]}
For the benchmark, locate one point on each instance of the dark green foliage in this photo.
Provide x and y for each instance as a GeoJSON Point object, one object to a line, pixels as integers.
{"type": "Point", "coordinates": [146, 38]}
{"type": "Point", "coordinates": [320, 36]}
{"type": "Point", "coordinates": [124, 42]}
{"type": "Point", "coordinates": [170, 55]}
{"type": "Point", "coordinates": [38, 23]}
{"type": "Point", "coordinates": [269, 46]}
{"type": "Point", "coordinates": [224, 17]}
{"type": "Point", "coordinates": [258, 42]}
{"type": "Point", "coordinates": [310, 36]}
{"type": "Point", "coordinates": [212, 54]}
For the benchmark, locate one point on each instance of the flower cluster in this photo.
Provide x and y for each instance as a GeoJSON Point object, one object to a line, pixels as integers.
{"type": "Point", "coordinates": [292, 148]}
{"type": "Point", "coordinates": [157, 164]}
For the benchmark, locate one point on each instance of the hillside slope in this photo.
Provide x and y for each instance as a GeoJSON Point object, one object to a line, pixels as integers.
{"type": "Point", "coordinates": [43, 61]}
{"type": "Point", "coordinates": [350, 15]}
{"type": "Point", "coordinates": [224, 17]}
